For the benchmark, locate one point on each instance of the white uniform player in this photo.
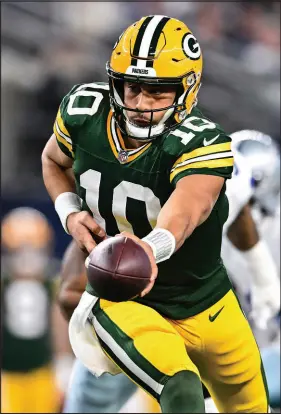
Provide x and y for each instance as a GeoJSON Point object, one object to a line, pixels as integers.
{"type": "Point", "coordinates": [255, 272]}
{"type": "Point", "coordinates": [255, 181]}
{"type": "Point", "coordinates": [239, 190]}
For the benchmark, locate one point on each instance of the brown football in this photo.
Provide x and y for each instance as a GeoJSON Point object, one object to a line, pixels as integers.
{"type": "Point", "coordinates": [118, 269]}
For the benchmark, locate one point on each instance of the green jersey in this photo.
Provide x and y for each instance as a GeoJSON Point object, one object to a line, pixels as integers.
{"type": "Point", "coordinates": [26, 319]}
{"type": "Point", "coordinates": [125, 189]}
{"type": "Point", "coordinates": [26, 334]}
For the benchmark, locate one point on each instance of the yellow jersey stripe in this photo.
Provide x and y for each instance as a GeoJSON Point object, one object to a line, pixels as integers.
{"type": "Point", "coordinates": [109, 134]}
{"type": "Point", "coordinates": [62, 134]}
{"type": "Point", "coordinates": [63, 140]}
{"type": "Point", "coordinates": [61, 124]}
{"type": "Point", "coordinates": [119, 140]}
{"type": "Point", "coordinates": [133, 156]}
{"type": "Point", "coordinates": [219, 163]}
{"type": "Point", "coordinates": [217, 155]}
{"type": "Point", "coordinates": [210, 149]}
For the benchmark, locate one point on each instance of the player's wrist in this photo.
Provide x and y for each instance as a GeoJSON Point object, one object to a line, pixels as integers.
{"type": "Point", "coordinates": [162, 243]}
{"type": "Point", "coordinates": [65, 204]}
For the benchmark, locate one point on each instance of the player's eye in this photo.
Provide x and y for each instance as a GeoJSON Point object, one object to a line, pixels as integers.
{"type": "Point", "coordinates": [133, 87]}
{"type": "Point", "coordinates": [157, 92]}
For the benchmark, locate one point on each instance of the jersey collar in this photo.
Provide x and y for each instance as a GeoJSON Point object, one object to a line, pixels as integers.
{"type": "Point", "coordinates": [117, 144]}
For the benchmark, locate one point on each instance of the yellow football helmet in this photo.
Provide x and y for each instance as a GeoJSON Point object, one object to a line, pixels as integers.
{"type": "Point", "coordinates": [156, 50]}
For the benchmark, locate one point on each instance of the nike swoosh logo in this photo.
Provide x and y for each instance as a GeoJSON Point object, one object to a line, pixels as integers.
{"type": "Point", "coordinates": [205, 142]}
{"type": "Point", "coordinates": [212, 318]}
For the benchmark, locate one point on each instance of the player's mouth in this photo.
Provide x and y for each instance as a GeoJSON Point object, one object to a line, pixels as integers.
{"type": "Point", "coordinates": [140, 122]}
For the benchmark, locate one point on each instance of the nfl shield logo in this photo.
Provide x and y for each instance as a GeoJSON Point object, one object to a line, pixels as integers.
{"type": "Point", "coordinates": [123, 156]}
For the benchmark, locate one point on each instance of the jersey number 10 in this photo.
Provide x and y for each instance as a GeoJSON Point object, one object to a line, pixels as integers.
{"type": "Point", "coordinates": [91, 179]}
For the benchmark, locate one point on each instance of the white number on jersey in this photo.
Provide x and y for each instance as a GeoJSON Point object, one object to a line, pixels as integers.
{"type": "Point", "coordinates": [90, 180]}
{"type": "Point", "coordinates": [26, 304]}
{"type": "Point", "coordinates": [80, 92]}
{"type": "Point", "coordinates": [187, 136]}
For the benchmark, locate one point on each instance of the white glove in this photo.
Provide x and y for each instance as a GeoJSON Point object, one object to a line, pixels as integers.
{"type": "Point", "coordinates": [265, 301]}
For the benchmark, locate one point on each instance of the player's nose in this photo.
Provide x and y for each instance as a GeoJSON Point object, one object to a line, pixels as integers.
{"type": "Point", "coordinates": [143, 102]}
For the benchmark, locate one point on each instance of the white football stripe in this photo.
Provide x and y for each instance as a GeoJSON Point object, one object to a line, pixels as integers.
{"type": "Point", "coordinates": [146, 40]}
{"type": "Point", "coordinates": [204, 158]}
{"type": "Point", "coordinates": [125, 359]}
{"type": "Point", "coordinates": [114, 135]}
{"type": "Point", "coordinates": [62, 134]}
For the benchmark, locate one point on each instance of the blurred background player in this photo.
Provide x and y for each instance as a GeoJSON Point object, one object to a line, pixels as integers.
{"type": "Point", "coordinates": [87, 393]}
{"type": "Point", "coordinates": [253, 195]}
{"type": "Point", "coordinates": [36, 355]}
{"type": "Point", "coordinates": [251, 240]}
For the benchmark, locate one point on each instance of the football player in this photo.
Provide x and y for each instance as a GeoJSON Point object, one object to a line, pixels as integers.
{"type": "Point", "coordinates": [148, 164]}
{"type": "Point", "coordinates": [36, 361]}
{"type": "Point", "coordinates": [253, 194]}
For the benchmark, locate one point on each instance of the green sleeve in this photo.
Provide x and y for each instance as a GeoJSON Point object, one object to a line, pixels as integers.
{"type": "Point", "coordinates": [62, 126]}
{"type": "Point", "coordinates": [202, 147]}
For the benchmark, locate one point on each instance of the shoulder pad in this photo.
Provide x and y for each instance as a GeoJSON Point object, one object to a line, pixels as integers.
{"type": "Point", "coordinates": [199, 146]}
{"type": "Point", "coordinates": [83, 101]}
{"type": "Point", "coordinates": [195, 132]}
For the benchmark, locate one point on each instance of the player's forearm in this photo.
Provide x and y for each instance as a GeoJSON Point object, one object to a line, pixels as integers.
{"type": "Point", "coordinates": [243, 232]}
{"type": "Point", "coordinates": [68, 301]}
{"type": "Point", "coordinates": [74, 279]}
{"type": "Point", "coordinates": [57, 179]}
{"type": "Point", "coordinates": [188, 206]}
{"type": "Point", "coordinates": [181, 217]}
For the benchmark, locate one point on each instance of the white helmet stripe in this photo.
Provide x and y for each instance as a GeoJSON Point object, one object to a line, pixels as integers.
{"type": "Point", "coordinates": [146, 40]}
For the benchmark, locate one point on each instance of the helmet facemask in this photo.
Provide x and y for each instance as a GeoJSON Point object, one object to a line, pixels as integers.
{"type": "Point", "coordinates": [175, 114]}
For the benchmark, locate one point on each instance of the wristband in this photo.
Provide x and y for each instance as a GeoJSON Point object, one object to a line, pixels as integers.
{"type": "Point", "coordinates": [261, 263]}
{"type": "Point", "coordinates": [162, 242]}
{"type": "Point", "coordinates": [65, 204]}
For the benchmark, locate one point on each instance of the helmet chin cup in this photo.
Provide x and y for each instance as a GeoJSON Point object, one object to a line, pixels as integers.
{"type": "Point", "coordinates": [145, 133]}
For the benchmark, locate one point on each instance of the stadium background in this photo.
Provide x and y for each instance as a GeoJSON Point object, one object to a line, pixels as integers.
{"type": "Point", "coordinates": [49, 46]}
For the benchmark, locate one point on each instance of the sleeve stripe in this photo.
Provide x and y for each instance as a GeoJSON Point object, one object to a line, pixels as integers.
{"type": "Point", "coordinates": [217, 155]}
{"type": "Point", "coordinates": [61, 124]}
{"type": "Point", "coordinates": [63, 141]}
{"type": "Point", "coordinates": [62, 134]}
{"type": "Point", "coordinates": [209, 149]}
{"type": "Point", "coordinates": [219, 163]}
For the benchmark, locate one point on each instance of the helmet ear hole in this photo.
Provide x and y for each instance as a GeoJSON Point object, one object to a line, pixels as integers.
{"type": "Point", "coordinates": [119, 86]}
{"type": "Point", "coordinates": [180, 91]}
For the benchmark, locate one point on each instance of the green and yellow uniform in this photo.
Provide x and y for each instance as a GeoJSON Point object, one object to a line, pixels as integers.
{"type": "Point", "coordinates": [27, 378]}
{"type": "Point", "coordinates": [125, 189]}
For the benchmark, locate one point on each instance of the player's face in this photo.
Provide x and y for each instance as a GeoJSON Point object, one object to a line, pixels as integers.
{"type": "Point", "coordinates": [147, 97]}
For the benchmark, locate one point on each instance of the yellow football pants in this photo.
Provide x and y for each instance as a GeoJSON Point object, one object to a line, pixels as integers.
{"type": "Point", "coordinates": [32, 392]}
{"type": "Point", "coordinates": [217, 344]}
